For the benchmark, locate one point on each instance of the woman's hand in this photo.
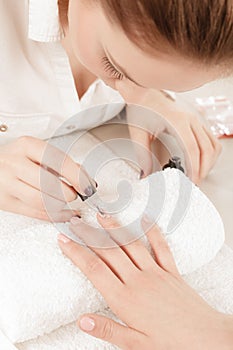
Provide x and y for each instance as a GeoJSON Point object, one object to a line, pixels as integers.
{"type": "Point", "coordinates": [200, 146]}
{"type": "Point", "coordinates": [30, 180]}
{"type": "Point", "coordinates": [159, 310]}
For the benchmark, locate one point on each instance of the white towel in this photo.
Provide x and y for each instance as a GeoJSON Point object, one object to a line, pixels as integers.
{"type": "Point", "coordinates": [68, 338]}
{"type": "Point", "coordinates": [44, 291]}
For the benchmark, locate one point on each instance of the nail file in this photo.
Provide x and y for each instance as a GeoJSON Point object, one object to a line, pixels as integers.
{"type": "Point", "coordinates": [116, 205]}
{"type": "Point", "coordinates": [99, 204]}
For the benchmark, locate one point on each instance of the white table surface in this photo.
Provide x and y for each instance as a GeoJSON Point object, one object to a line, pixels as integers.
{"type": "Point", "coordinates": [218, 186]}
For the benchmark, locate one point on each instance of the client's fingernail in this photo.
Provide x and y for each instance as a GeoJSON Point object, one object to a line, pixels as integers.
{"type": "Point", "coordinates": [146, 219]}
{"type": "Point", "coordinates": [62, 238]}
{"type": "Point", "coordinates": [87, 324]}
{"type": "Point", "coordinates": [75, 220]}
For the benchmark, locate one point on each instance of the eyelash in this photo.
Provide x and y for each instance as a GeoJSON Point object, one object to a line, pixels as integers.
{"type": "Point", "coordinates": [109, 68]}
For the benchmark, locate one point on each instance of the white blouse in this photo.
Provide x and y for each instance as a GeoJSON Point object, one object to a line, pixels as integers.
{"type": "Point", "coordinates": [37, 90]}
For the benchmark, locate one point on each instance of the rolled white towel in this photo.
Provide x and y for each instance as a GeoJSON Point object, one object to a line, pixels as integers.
{"type": "Point", "coordinates": [41, 290]}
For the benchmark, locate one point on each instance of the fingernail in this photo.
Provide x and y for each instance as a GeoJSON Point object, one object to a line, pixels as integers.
{"type": "Point", "coordinates": [89, 191]}
{"type": "Point", "coordinates": [94, 184]}
{"type": "Point", "coordinates": [86, 184]}
{"type": "Point", "coordinates": [142, 174]}
{"type": "Point", "coordinates": [103, 214]}
{"type": "Point", "coordinates": [62, 238]}
{"type": "Point", "coordinates": [87, 324]}
{"type": "Point", "coordinates": [146, 219]}
{"type": "Point", "coordinates": [83, 198]}
{"type": "Point", "coordinates": [75, 220]}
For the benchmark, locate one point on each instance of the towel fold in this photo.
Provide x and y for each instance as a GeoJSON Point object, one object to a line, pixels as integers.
{"type": "Point", "coordinates": [69, 337]}
{"type": "Point", "coordinates": [41, 290]}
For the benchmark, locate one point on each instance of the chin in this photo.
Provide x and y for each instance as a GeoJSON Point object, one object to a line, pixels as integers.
{"type": "Point", "coordinates": [109, 82]}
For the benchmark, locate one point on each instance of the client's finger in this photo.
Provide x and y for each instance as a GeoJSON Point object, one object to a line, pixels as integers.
{"type": "Point", "coordinates": [93, 267]}
{"type": "Point", "coordinates": [106, 329]}
{"type": "Point", "coordinates": [134, 249]}
{"type": "Point", "coordinates": [163, 255]}
{"type": "Point", "coordinates": [105, 247]}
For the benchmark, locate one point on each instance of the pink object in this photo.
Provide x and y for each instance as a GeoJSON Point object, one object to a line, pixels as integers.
{"type": "Point", "coordinates": [218, 111]}
{"type": "Point", "coordinates": [87, 324]}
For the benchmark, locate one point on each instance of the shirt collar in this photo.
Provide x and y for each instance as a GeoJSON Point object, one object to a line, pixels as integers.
{"type": "Point", "coordinates": [44, 24]}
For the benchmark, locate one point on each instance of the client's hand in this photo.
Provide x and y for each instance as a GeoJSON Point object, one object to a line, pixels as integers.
{"type": "Point", "coordinates": [159, 310]}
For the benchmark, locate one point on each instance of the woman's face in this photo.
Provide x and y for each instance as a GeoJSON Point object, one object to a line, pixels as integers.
{"type": "Point", "coordinates": [105, 50]}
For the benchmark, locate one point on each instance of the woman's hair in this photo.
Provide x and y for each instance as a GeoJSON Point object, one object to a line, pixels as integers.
{"type": "Point", "coordinates": [200, 29]}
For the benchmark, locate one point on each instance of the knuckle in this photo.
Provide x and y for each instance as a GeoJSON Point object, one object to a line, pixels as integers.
{"type": "Point", "coordinates": [162, 246]}
{"type": "Point", "coordinates": [40, 215]}
{"type": "Point", "coordinates": [206, 146]}
{"type": "Point", "coordinates": [194, 175]}
{"type": "Point", "coordinates": [114, 225]}
{"type": "Point", "coordinates": [72, 252]}
{"type": "Point", "coordinates": [70, 196]}
{"type": "Point", "coordinates": [93, 265]}
{"type": "Point", "coordinates": [5, 161]}
{"type": "Point", "coordinates": [192, 149]}
{"type": "Point", "coordinates": [218, 147]}
{"type": "Point", "coordinates": [107, 330]}
{"type": "Point", "coordinates": [24, 140]}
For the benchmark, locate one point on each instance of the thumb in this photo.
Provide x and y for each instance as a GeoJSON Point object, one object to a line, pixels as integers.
{"type": "Point", "coordinates": [108, 330]}
{"type": "Point", "coordinates": [142, 144]}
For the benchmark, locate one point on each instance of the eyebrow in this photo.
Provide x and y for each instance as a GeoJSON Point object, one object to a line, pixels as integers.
{"type": "Point", "coordinates": [120, 69]}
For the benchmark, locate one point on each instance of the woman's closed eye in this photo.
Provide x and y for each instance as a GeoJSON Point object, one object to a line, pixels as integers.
{"type": "Point", "coordinates": [111, 70]}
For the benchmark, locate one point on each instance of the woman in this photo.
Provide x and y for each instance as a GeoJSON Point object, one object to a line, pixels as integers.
{"type": "Point", "coordinates": [138, 48]}
{"type": "Point", "coordinates": [49, 69]}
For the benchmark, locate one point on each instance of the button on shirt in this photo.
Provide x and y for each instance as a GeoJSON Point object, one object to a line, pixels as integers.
{"type": "Point", "coordinates": [37, 89]}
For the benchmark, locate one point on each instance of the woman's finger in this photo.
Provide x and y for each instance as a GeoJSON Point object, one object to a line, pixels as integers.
{"type": "Point", "coordinates": [34, 198]}
{"type": "Point", "coordinates": [16, 206]}
{"type": "Point", "coordinates": [102, 277]}
{"type": "Point", "coordinates": [132, 247]}
{"type": "Point", "coordinates": [104, 247]}
{"type": "Point", "coordinates": [163, 255]}
{"type": "Point", "coordinates": [207, 151]}
{"type": "Point", "coordinates": [142, 144]}
{"type": "Point", "coordinates": [189, 144]}
{"type": "Point", "coordinates": [44, 153]}
{"type": "Point", "coordinates": [215, 142]}
{"type": "Point", "coordinates": [43, 180]}
{"type": "Point", "coordinates": [108, 330]}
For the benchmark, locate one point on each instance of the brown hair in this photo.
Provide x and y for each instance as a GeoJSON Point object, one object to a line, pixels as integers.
{"type": "Point", "coordinates": [200, 29]}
